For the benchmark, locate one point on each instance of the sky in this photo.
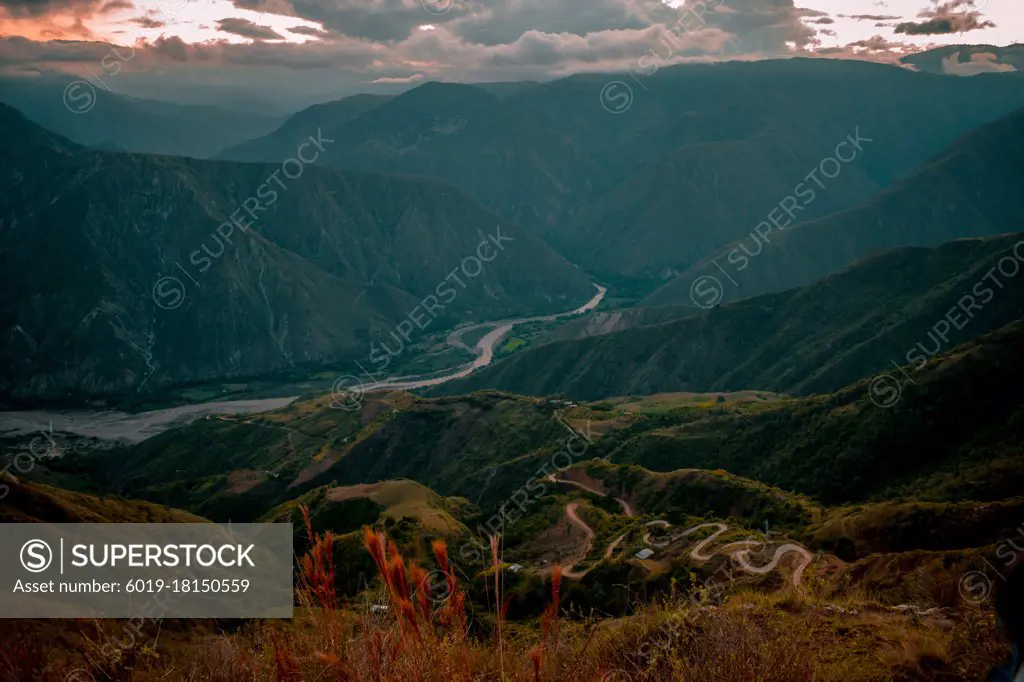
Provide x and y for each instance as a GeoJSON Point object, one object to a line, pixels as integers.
{"type": "Point", "coordinates": [317, 50]}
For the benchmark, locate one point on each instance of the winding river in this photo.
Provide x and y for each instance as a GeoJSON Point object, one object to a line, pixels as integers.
{"type": "Point", "coordinates": [135, 428]}
{"type": "Point", "coordinates": [484, 348]}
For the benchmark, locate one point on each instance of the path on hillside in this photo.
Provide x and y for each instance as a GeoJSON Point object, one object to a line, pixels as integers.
{"type": "Point", "coordinates": [626, 508]}
{"type": "Point", "coordinates": [738, 551]}
{"type": "Point", "coordinates": [570, 511]}
{"type": "Point", "coordinates": [741, 549]}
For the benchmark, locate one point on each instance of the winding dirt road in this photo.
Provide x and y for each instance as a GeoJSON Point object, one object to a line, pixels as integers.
{"type": "Point", "coordinates": [741, 549]}
{"type": "Point", "coordinates": [570, 511]}
{"type": "Point", "coordinates": [738, 551]}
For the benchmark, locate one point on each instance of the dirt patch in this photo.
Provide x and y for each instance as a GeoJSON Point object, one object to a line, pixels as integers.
{"type": "Point", "coordinates": [579, 475]}
{"type": "Point", "coordinates": [316, 468]}
{"type": "Point", "coordinates": [350, 492]}
{"type": "Point", "coordinates": [561, 543]}
{"type": "Point", "coordinates": [243, 480]}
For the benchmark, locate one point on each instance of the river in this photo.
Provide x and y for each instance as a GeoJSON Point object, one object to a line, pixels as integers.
{"type": "Point", "coordinates": [134, 428]}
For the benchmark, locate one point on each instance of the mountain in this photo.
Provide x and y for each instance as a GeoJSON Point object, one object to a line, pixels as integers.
{"type": "Point", "coordinates": [739, 140]}
{"type": "Point", "coordinates": [702, 155]}
{"type": "Point", "coordinates": [281, 143]}
{"type": "Point", "coordinates": [123, 272]}
{"type": "Point", "coordinates": [37, 503]}
{"type": "Point", "coordinates": [686, 204]}
{"type": "Point", "coordinates": [969, 190]}
{"type": "Point", "coordinates": [96, 117]}
{"type": "Point", "coordinates": [931, 444]}
{"type": "Point", "coordinates": [497, 152]}
{"type": "Point", "coordinates": [813, 339]}
{"type": "Point", "coordinates": [968, 60]}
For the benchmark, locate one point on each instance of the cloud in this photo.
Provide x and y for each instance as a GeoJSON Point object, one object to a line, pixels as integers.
{"type": "Point", "coordinates": [960, 23]}
{"type": "Point", "coordinates": [870, 17]}
{"type": "Point", "coordinates": [247, 29]}
{"type": "Point", "coordinates": [173, 48]}
{"type": "Point", "coordinates": [362, 43]}
{"type": "Point", "coordinates": [18, 50]}
{"type": "Point", "coordinates": [980, 62]}
{"type": "Point", "coordinates": [116, 5]}
{"type": "Point", "coordinates": [146, 22]}
{"type": "Point", "coordinates": [875, 43]}
{"type": "Point", "coordinates": [947, 17]}
{"type": "Point", "coordinates": [398, 79]}
{"type": "Point", "coordinates": [309, 31]}
{"type": "Point", "coordinates": [37, 8]}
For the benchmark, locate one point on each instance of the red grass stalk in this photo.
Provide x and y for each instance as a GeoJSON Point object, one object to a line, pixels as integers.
{"type": "Point", "coordinates": [497, 602]}
{"type": "Point", "coordinates": [318, 573]}
{"type": "Point", "coordinates": [286, 667]}
{"type": "Point", "coordinates": [549, 619]}
{"type": "Point", "coordinates": [421, 581]}
{"type": "Point", "coordinates": [454, 611]}
{"type": "Point", "coordinates": [537, 656]}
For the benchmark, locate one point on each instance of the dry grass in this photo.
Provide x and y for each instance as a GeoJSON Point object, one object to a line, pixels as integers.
{"type": "Point", "coordinates": [429, 633]}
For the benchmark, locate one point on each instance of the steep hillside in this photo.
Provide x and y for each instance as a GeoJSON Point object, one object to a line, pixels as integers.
{"type": "Point", "coordinates": [148, 283]}
{"type": "Point", "coordinates": [346, 509]}
{"type": "Point", "coordinates": [969, 190]}
{"type": "Point", "coordinates": [27, 502]}
{"type": "Point", "coordinates": [281, 143]}
{"type": "Point", "coordinates": [954, 433]}
{"type": "Point", "coordinates": [814, 339]}
{"type": "Point", "coordinates": [482, 447]}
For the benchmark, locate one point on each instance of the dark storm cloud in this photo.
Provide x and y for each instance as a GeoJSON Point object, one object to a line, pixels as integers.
{"type": "Point", "coordinates": [504, 22]}
{"type": "Point", "coordinates": [247, 29]}
{"type": "Point", "coordinates": [954, 16]}
{"type": "Point", "coordinates": [173, 48]}
{"type": "Point", "coordinates": [18, 50]}
{"type": "Point", "coordinates": [823, 20]}
{"type": "Point", "coordinates": [957, 23]}
{"type": "Point", "coordinates": [765, 26]}
{"type": "Point", "coordinates": [146, 22]}
{"type": "Point", "coordinates": [36, 8]}
{"type": "Point", "coordinates": [376, 20]}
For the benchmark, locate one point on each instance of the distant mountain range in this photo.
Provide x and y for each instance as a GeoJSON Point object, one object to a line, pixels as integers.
{"type": "Point", "coordinates": [92, 239]}
{"type": "Point", "coordinates": [702, 155]}
{"type": "Point", "coordinates": [94, 116]}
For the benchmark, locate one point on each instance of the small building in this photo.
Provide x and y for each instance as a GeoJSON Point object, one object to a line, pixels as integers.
{"type": "Point", "coordinates": [644, 553]}
{"type": "Point", "coordinates": [515, 568]}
